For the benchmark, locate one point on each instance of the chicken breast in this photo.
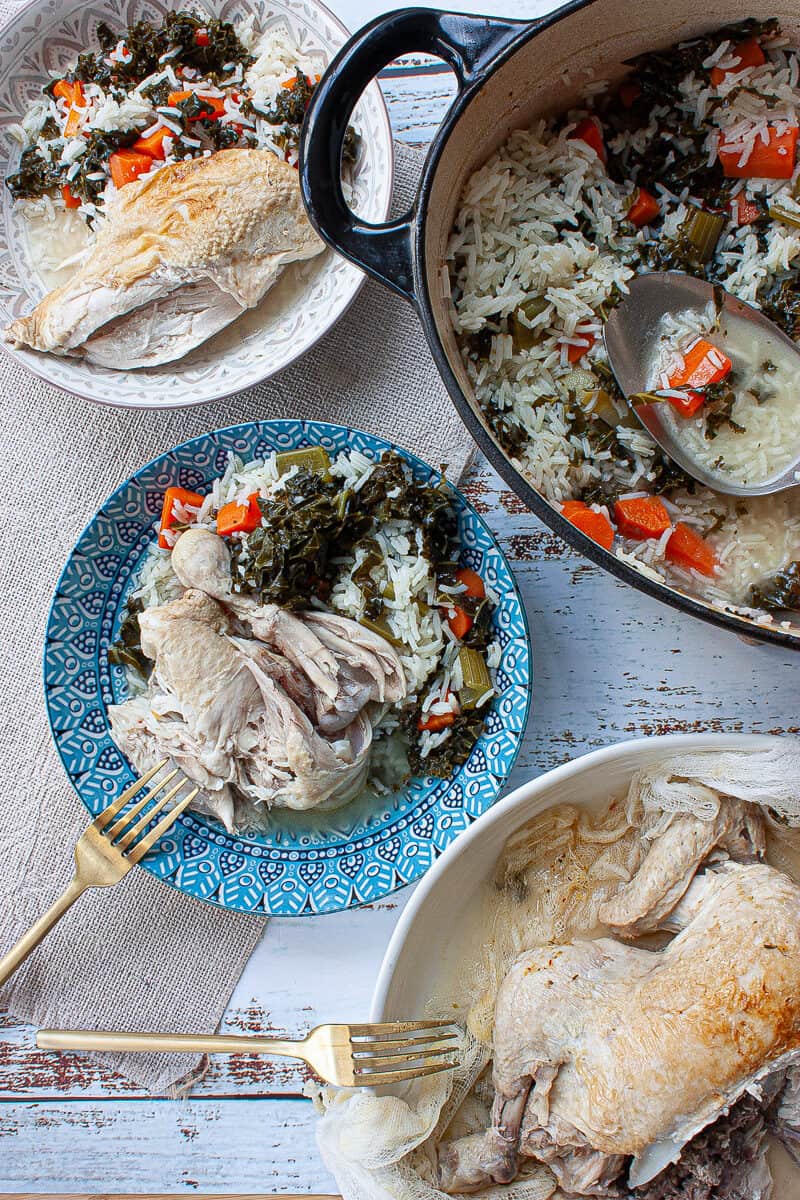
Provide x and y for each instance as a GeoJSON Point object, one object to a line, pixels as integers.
{"type": "Point", "coordinates": [181, 254]}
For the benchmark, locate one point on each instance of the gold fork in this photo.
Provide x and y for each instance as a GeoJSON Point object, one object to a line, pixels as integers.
{"type": "Point", "coordinates": [106, 852]}
{"type": "Point", "coordinates": [347, 1055]}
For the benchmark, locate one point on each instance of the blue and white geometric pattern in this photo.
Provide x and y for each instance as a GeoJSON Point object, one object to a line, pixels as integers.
{"type": "Point", "coordinates": [304, 863]}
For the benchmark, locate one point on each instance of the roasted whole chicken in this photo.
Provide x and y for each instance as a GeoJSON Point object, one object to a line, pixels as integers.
{"type": "Point", "coordinates": [610, 1058]}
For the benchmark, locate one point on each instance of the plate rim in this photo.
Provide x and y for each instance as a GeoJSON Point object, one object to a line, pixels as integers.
{"type": "Point", "coordinates": [305, 423]}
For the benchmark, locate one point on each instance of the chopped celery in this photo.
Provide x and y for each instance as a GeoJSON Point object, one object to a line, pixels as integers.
{"type": "Point", "coordinates": [525, 337]}
{"type": "Point", "coordinates": [315, 459]}
{"type": "Point", "coordinates": [600, 404]}
{"type": "Point", "coordinates": [779, 212]}
{"type": "Point", "coordinates": [702, 230]}
{"type": "Point", "coordinates": [381, 627]}
{"type": "Point", "coordinates": [475, 674]}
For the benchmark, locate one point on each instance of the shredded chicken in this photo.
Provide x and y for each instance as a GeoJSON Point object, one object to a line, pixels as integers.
{"type": "Point", "coordinates": [259, 705]}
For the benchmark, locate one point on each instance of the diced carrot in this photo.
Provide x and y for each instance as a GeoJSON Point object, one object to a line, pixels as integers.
{"type": "Point", "coordinates": [744, 211]}
{"type": "Point", "coordinates": [64, 90]}
{"type": "Point", "coordinates": [589, 131]}
{"type": "Point", "coordinates": [239, 518]}
{"type": "Point", "coordinates": [433, 722]}
{"type": "Point", "coordinates": [69, 200]}
{"type": "Point", "coordinates": [686, 548]}
{"type": "Point", "coordinates": [72, 92]}
{"type": "Point", "coordinates": [292, 80]}
{"type": "Point", "coordinates": [217, 103]}
{"type": "Point", "coordinates": [153, 144]}
{"type": "Point", "coordinates": [749, 54]}
{"type": "Point", "coordinates": [629, 93]}
{"type": "Point", "coordinates": [436, 722]}
{"type": "Point", "coordinates": [168, 518]}
{"type": "Point", "coordinates": [570, 507]}
{"type": "Point", "coordinates": [644, 210]}
{"type": "Point", "coordinates": [460, 622]}
{"type": "Point", "coordinates": [474, 583]}
{"type": "Point", "coordinates": [703, 364]}
{"type": "Point", "coordinates": [201, 38]}
{"type": "Point", "coordinates": [595, 525]}
{"type": "Point", "coordinates": [127, 165]}
{"type": "Point", "coordinates": [687, 407]}
{"type": "Point", "coordinates": [773, 159]}
{"type": "Point", "coordinates": [576, 353]}
{"type": "Point", "coordinates": [641, 517]}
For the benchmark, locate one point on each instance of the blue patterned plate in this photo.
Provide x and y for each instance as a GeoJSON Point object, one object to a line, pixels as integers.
{"type": "Point", "coordinates": [304, 864]}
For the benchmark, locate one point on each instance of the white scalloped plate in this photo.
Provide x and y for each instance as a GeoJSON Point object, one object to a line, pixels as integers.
{"type": "Point", "coordinates": [309, 298]}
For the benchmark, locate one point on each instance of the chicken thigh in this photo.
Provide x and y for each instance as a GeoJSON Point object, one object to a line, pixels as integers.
{"type": "Point", "coordinates": [218, 708]}
{"type": "Point", "coordinates": [645, 903]}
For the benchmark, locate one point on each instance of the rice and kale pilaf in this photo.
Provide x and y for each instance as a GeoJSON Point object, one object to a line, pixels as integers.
{"type": "Point", "coordinates": [154, 94]}
{"type": "Point", "coordinates": [690, 164]}
{"type": "Point", "coordinates": [349, 556]}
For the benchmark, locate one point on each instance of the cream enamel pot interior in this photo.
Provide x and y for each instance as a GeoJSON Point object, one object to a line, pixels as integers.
{"type": "Point", "coordinates": [508, 73]}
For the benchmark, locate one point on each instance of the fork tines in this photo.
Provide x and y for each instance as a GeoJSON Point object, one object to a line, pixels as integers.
{"type": "Point", "coordinates": [400, 1050]}
{"type": "Point", "coordinates": [135, 840]}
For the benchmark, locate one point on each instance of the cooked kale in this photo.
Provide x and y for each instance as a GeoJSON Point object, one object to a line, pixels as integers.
{"type": "Point", "coordinates": [444, 759]}
{"type": "Point", "coordinates": [206, 45]}
{"type": "Point", "coordinates": [313, 521]}
{"type": "Point", "coordinates": [288, 560]}
{"type": "Point", "coordinates": [36, 175]}
{"type": "Point", "coordinates": [782, 304]}
{"type": "Point", "coordinates": [782, 591]}
{"type": "Point", "coordinates": [127, 650]}
{"type": "Point", "coordinates": [291, 102]}
{"type": "Point", "coordinates": [719, 401]}
{"type": "Point", "coordinates": [289, 112]}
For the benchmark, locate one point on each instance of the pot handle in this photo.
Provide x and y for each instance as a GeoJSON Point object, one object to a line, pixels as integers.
{"type": "Point", "coordinates": [467, 43]}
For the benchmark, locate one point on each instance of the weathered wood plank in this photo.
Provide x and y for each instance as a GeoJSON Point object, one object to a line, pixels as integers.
{"type": "Point", "coordinates": [156, 1146]}
{"type": "Point", "coordinates": [301, 983]}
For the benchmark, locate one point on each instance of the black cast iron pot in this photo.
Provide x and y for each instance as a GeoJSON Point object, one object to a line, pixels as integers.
{"type": "Point", "coordinates": [508, 73]}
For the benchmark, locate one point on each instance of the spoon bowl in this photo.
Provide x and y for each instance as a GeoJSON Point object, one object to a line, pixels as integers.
{"type": "Point", "coordinates": [633, 330]}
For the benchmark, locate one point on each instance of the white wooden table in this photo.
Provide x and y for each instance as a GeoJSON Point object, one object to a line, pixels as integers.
{"type": "Point", "coordinates": [609, 664]}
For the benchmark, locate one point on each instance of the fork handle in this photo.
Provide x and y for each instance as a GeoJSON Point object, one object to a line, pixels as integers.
{"type": "Point", "coordinates": [166, 1043]}
{"type": "Point", "coordinates": [30, 940]}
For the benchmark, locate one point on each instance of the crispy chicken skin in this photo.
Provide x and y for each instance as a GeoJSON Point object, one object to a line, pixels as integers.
{"type": "Point", "coordinates": [182, 253]}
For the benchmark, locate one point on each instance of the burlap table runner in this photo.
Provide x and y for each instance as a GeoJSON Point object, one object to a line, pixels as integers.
{"type": "Point", "coordinates": [141, 955]}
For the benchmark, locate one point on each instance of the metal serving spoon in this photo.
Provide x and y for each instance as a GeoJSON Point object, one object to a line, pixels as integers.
{"type": "Point", "coordinates": [631, 334]}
